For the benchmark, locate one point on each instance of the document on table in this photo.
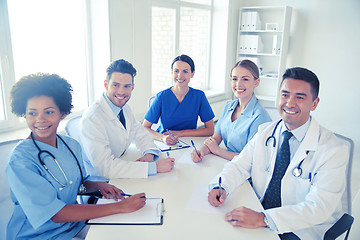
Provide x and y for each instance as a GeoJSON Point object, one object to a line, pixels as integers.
{"type": "Point", "coordinates": [164, 147]}
{"type": "Point", "coordinates": [150, 214]}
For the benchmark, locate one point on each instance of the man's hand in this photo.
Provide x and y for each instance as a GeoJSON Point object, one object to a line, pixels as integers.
{"type": "Point", "coordinates": [245, 217]}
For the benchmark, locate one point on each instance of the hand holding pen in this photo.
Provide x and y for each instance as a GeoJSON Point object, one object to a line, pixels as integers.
{"type": "Point", "coordinates": [217, 196]}
{"type": "Point", "coordinates": [196, 155]}
{"type": "Point", "coordinates": [169, 138]}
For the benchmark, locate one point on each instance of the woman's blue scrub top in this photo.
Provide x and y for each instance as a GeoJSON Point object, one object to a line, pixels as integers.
{"type": "Point", "coordinates": [36, 193]}
{"type": "Point", "coordinates": [238, 133]}
{"type": "Point", "coordinates": [179, 116]}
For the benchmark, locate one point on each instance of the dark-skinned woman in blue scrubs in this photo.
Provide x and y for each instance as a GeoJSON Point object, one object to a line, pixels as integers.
{"type": "Point", "coordinates": [179, 107]}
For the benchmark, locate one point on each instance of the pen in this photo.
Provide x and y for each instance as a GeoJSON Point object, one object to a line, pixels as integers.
{"type": "Point", "coordinates": [171, 133]}
{"type": "Point", "coordinates": [127, 195]}
{"type": "Point", "coordinates": [168, 154]}
{"type": "Point", "coordinates": [192, 143]}
{"type": "Point", "coordinates": [219, 187]}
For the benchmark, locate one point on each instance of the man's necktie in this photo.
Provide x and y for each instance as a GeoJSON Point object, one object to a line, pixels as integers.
{"type": "Point", "coordinates": [122, 118]}
{"type": "Point", "coordinates": [272, 196]}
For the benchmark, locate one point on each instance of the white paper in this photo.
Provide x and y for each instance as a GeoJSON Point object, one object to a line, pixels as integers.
{"type": "Point", "coordinates": [151, 213]}
{"type": "Point", "coordinates": [163, 147]}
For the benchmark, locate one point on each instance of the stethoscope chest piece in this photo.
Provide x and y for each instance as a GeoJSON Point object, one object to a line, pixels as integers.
{"type": "Point", "coordinates": [297, 172]}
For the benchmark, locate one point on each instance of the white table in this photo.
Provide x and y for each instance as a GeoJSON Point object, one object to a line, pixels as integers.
{"type": "Point", "coordinates": [187, 214]}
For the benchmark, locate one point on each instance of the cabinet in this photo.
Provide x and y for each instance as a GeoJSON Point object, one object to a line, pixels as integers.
{"type": "Point", "coordinates": [263, 37]}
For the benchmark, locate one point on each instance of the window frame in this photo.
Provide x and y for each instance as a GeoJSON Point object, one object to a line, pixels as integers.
{"type": "Point", "coordinates": [7, 70]}
{"type": "Point", "coordinates": [177, 5]}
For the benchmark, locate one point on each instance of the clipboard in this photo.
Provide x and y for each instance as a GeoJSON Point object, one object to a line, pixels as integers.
{"type": "Point", "coordinates": [150, 214]}
{"type": "Point", "coordinates": [164, 147]}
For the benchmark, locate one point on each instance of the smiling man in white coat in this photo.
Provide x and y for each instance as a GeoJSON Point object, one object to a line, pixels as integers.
{"type": "Point", "coordinates": [108, 127]}
{"type": "Point", "coordinates": [298, 168]}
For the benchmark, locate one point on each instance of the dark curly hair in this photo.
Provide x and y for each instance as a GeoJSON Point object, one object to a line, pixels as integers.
{"type": "Point", "coordinates": [41, 84]}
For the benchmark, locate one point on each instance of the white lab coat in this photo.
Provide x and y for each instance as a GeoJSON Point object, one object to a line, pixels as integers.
{"type": "Point", "coordinates": [308, 208]}
{"type": "Point", "coordinates": [104, 140]}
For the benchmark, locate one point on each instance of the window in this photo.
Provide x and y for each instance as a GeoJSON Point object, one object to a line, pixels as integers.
{"type": "Point", "coordinates": [180, 27]}
{"type": "Point", "coordinates": [52, 37]}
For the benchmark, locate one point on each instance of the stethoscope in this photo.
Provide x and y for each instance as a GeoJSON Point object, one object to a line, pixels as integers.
{"type": "Point", "coordinates": [297, 171]}
{"type": "Point", "coordinates": [82, 187]}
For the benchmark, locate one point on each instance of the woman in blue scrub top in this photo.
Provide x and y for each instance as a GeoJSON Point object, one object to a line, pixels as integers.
{"type": "Point", "coordinates": [240, 118]}
{"type": "Point", "coordinates": [44, 185]}
{"type": "Point", "coordinates": [179, 107]}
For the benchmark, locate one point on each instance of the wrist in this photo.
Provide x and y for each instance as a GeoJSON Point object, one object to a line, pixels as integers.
{"type": "Point", "coordinates": [265, 221]}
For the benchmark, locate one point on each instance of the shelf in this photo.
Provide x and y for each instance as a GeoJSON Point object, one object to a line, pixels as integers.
{"type": "Point", "coordinates": [260, 54]}
{"type": "Point", "coordinates": [268, 78]}
{"type": "Point", "coordinates": [255, 35]}
{"type": "Point", "coordinates": [261, 31]}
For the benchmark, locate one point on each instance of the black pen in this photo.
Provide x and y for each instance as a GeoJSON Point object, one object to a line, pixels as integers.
{"type": "Point", "coordinates": [192, 143]}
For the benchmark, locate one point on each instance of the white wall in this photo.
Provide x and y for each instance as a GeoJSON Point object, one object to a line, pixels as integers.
{"type": "Point", "coordinates": [325, 37]}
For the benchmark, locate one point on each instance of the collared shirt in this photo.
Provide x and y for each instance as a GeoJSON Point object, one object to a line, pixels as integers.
{"type": "Point", "coordinates": [152, 170]}
{"type": "Point", "coordinates": [298, 135]}
{"type": "Point", "coordinates": [294, 143]}
{"type": "Point", "coordinates": [236, 134]}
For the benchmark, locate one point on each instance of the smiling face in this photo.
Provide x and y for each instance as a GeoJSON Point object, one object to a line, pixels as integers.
{"type": "Point", "coordinates": [243, 83]}
{"type": "Point", "coordinates": [43, 117]}
{"type": "Point", "coordinates": [296, 102]}
{"type": "Point", "coordinates": [119, 88]}
{"type": "Point", "coordinates": [181, 73]}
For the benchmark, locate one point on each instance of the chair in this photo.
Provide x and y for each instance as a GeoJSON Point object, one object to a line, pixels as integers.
{"type": "Point", "coordinates": [6, 204]}
{"type": "Point", "coordinates": [350, 144]}
{"type": "Point", "coordinates": [345, 222]}
{"type": "Point", "coordinates": [341, 226]}
{"type": "Point", "coordinates": [157, 124]}
{"type": "Point", "coordinates": [72, 129]}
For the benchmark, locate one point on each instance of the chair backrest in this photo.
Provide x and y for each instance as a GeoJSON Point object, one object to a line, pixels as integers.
{"type": "Point", "coordinates": [6, 204]}
{"type": "Point", "coordinates": [72, 129]}
{"type": "Point", "coordinates": [273, 113]}
{"type": "Point", "coordinates": [155, 125]}
{"type": "Point", "coordinates": [350, 144]}
{"type": "Point", "coordinates": [355, 230]}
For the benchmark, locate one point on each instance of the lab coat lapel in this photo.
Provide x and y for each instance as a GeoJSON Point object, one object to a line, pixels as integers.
{"type": "Point", "coordinates": [110, 114]}
{"type": "Point", "coordinates": [309, 144]}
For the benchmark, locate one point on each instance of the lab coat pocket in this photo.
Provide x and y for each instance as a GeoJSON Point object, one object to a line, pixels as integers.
{"type": "Point", "coordinates": [302, 186]}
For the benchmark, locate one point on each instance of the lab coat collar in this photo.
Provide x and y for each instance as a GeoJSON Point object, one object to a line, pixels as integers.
{"type": "Point", "coordinates": [116, 110]}
{"type": "Point", "coordinates": [308, 145]}
{"type": "Point", "coordinates": [107, 109]}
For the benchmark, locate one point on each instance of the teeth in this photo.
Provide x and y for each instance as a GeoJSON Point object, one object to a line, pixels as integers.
{"type": "Point", "coordinates": [290, 112]}
{"type": "Point", "coordinates": [121, 98]}
{"type": "Point", "coordinates": [42, 128]}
